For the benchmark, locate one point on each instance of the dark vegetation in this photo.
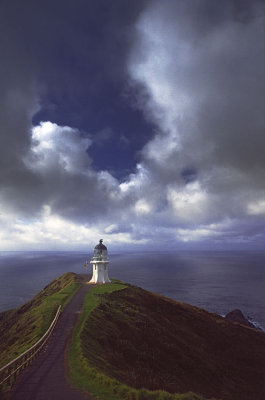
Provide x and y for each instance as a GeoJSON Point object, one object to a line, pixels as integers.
{"type": "Point", "coordinates": [86, 376]}
{"type": "Point", "coordinates": [144, 340]}
{"type": "Point", "coordinates": [22, 327]}
{"type": "Point", "coordinates": [131, 344]}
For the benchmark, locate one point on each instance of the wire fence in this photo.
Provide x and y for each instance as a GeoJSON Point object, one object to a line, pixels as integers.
{"type": "Point", "coordinates": [10, 371]}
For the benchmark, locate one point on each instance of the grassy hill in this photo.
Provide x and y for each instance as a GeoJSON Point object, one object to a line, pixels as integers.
{"type": "Point", "coordinates": [143, 340]}
{"type": "Point", "coordinates": [22, 327]}
{"type": "Point", "coordinates": [131, 344]}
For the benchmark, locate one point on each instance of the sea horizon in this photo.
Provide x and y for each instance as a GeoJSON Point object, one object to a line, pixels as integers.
{"type": "Point", "coordinates": [217, 281]}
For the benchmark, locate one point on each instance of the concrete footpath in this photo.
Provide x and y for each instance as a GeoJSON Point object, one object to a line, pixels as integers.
{"type": "Point", "coordinates": [46, 379]}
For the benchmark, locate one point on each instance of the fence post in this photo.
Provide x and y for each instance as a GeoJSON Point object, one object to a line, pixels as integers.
{"type": "Point", "coordinates": [9, 372]}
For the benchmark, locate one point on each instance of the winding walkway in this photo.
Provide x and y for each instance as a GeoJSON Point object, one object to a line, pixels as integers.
{"type": "Point", "coordinates": [46, 379]}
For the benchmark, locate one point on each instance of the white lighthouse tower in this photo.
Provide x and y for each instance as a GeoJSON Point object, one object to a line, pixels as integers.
{"type": "Point", "coordinates": [100, 264]}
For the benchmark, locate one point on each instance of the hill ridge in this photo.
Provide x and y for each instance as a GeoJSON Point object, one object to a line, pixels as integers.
{"type": "Point", "coordinates": [150, 341]}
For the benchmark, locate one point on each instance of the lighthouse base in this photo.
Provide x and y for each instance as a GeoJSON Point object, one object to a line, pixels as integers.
{"type": "Point", "coordinates": [100, 272]}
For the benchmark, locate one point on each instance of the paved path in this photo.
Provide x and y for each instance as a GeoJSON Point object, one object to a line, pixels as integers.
{"type": "Point", "coordinates": [45, 378]}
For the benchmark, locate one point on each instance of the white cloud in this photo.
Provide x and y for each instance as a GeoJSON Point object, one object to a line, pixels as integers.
{"type": "Point", "coordinates": [161, 148]}
{"type": "Point", "coordinates": [257, 207]}
{"type": "Point", "coordinates": [189, 203]}
{"type": "Point", "coordinates": [211, 232]}
{"type": "Point", "coordinates": [51, 231]}
{"type": "Point", "coordinates": [58, 146]}
{"type": "Point", "coordinates": [137, 181]}
{"type": "Point", "coordinates": [111, 228]}
{"type": "Point", "coordinates": [142, 207]}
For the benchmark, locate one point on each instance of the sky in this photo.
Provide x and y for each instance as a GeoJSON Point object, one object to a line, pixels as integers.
{"type": "Point", "coordinates": [140, 122]}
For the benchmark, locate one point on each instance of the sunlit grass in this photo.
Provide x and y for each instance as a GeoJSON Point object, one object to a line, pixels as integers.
{"type": "Point", "coordinates": [23, 327]}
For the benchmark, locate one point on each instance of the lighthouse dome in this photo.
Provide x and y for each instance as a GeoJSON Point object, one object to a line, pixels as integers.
{"type": "Point", "coordinates": [100, 245]}
{"type": "Point", "coordinates": [100, 251]}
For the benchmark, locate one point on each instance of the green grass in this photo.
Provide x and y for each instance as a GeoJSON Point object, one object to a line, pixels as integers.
{"type": "Point", "coordinates": [82, 374]}
{"type": "Point", "coordinates": [22, 327]}
{"type": "Point", "coordinates": [83, 369]}
{"type": "Point", "coordinates": [132, 344]}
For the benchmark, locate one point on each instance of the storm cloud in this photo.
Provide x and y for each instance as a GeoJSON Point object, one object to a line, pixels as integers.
{"type": "Point", "coordinates": [202, 68]}
{"type": "Point", "coordinates": [140, 122]}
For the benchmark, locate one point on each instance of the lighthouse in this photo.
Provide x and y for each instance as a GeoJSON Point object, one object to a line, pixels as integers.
{"type": "Point", "coordinates": [100, 264]}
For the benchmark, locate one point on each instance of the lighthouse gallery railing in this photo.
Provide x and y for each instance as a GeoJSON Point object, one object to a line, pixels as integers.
{"type": "Point", "coordinates": [14, 367]}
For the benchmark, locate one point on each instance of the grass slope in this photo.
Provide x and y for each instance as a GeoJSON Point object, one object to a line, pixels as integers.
{"type": "Point", "coordinates": [136, 339]}
{"type": "Point", "coordinates": [22, 327]}
{"type": "Point", "coordinates": [93, 370]}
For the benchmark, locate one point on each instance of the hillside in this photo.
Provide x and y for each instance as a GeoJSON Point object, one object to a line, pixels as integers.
{"type": "Point", "coordinates": [20, 328]}
{"type": "Point", "coordinates": [144, 340]}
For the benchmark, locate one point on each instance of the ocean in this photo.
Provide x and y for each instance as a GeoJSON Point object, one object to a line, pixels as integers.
{"type": "Point", "coordinates": [216, 281]}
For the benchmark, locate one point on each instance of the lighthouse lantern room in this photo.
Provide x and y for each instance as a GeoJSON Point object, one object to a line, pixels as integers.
{"type": "Point", "coordinates": [100, 263]}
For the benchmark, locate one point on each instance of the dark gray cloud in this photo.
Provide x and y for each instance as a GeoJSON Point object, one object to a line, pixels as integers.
{"type": "Point", "coordinates": [174, 89]}
{"type": "Point", "coordinates": [61, 60]}
{"type": "Point", "coordinates": [201, 65]}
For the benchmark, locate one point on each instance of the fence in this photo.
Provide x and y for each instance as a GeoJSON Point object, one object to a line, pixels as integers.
{"type": "Point", "coordinates": [9, 372]}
